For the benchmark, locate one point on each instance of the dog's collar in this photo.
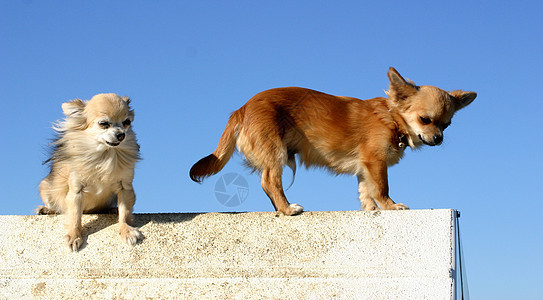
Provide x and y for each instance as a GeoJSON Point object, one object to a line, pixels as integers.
{"type": "Point", "coordinates": [402, 137]}
{"type": "Point", "coordinates": [402, 140]}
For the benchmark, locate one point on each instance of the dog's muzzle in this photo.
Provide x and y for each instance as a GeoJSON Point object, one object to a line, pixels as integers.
{"type": "Point", "coordinates": [436, 140]}
{"type": "Point", "coordinates": [120, 137]}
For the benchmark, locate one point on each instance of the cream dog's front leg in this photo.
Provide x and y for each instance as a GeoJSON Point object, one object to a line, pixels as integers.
{"type": "Point", "coordinates": [73, 211]}
{"type": "Point", "coordinates": [126, 199]}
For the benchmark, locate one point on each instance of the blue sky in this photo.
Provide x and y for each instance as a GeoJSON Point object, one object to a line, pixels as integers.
{"type": "Point", "coordinates": [187, 65]}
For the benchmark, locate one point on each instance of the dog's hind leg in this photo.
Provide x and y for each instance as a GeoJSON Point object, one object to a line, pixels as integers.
{"type": "Point", "coordinates": [273, 186]}
{"type": "Point", "coordinates": [45, 193]}
{"type": "Point", "coordinates": [44, 210]}
{"type": "Point", "coordinates": [366, 201]}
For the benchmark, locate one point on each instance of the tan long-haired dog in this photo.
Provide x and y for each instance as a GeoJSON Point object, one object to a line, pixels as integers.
{"type": "Point", "coordinates": [344, 134]}
{"type": "Point", "coordinates": [92, 165]}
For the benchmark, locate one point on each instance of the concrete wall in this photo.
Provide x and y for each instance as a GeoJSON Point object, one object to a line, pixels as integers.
{"type": "Point", "coordinates": [352, 254]}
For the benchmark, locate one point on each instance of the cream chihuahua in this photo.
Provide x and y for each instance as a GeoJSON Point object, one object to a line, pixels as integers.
{"type": "Point", "coordinates": [92, 165]}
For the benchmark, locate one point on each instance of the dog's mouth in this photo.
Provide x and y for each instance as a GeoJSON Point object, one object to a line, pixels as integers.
{"type": "Point", "coordinates": [423, 140]}
{"type": "Point", "coordinates": [428, 143]}
{"type": "Point", "coordinates": [113, 144]}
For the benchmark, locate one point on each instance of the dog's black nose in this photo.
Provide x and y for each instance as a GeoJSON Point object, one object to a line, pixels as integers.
{"type": "Point", "coordinates": [120, 136]}
{"type": "Point", "coordinates": [438, 139]}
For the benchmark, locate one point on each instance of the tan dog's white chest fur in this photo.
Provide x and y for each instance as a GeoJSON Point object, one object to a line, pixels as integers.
{"type": "Point", "coordinates": [343, 134]}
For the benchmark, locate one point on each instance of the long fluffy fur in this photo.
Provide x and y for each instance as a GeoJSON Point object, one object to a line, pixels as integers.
{"type": "Point", "coordinates": [86, 173]}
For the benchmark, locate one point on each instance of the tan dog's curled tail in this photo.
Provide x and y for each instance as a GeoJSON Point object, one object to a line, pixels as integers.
{"type": "Point", "coordinates": [214, 162]}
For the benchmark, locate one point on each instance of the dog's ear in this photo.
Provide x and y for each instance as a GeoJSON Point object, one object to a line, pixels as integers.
{"type": "Point", "coordinates": [127, 101]}
{"type": "Point", "coordinates": [462, 99]}
{"type": "Point", "coordinates": [73, 107]}
{"type": "Point", "coordinates": [395, 77]}
{"type": "Point", "coordinates": [399, 88]}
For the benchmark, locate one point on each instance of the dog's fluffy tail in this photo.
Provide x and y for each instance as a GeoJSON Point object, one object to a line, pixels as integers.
{"type": "Point", "coordinates": [214, 162]}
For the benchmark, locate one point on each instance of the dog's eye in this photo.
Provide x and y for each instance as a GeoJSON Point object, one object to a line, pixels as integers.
{"type": "Point", "coordinates": [425, 121]}
{"type": "Point", "coordinates": [127, 122]}
{"type": "Point", "coordinates": [104, 124]}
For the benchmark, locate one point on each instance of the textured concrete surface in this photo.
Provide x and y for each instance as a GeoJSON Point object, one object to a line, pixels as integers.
{"type": "Point", "coordinates": [352, 254]}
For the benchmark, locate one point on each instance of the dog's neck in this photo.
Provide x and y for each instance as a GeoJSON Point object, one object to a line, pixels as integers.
{"type": "Point", "coordinates": [402, 131]}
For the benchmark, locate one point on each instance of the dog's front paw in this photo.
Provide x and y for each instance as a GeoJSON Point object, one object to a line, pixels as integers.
{"type": "Point", "coordinates": [294, 209]}
{"type": "Point", "coordinates": [130, 235]}
{"type": "Point", "coordinates": [74, 240]}
{"type": "Point", "coordinates": [400, 206]}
